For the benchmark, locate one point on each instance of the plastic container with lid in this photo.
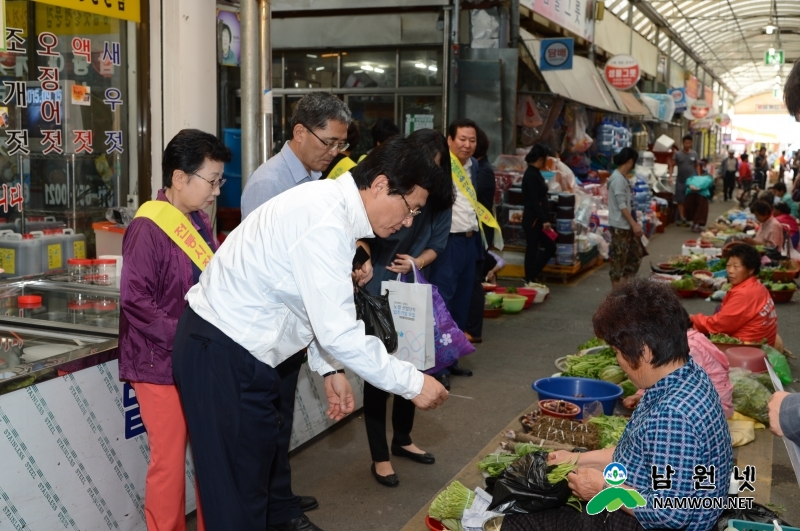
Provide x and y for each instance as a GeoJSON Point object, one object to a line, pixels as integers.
{"type": "Point", "coordinates": [74, 244]}
{"type": "Point", "coordinates": [20, 255]}
{"type": "Point", "coordinates": [78, 306]}
{"type": "Point", "coordinates": [53, 259]}
{"type": "Point", "coordinates": [30, 305]}
{"type": "Point", "coordinates": [34, 224]}
{"type": "Point", "coordinates": [105, 272]}
{"type": "Point", "coordinates": [80, 270]}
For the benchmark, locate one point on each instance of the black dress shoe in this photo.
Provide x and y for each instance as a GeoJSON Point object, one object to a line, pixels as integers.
{"type": "Point", "coordinates": [308, 503]}
{"type": "Point", "coordinates": [387, 481]}
{"type": "Point", "coordinates": [425, 459]}
{"type": "Point", "coordinates": [444, 379]}
{"type": "Point", "coordinates": [458, 370]}
{"type": "Point", "coordinates": [301, 523]}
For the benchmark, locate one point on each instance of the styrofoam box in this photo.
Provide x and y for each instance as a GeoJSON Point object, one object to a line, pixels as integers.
{"type": "Point", "coordinates": [711, 251]}
{"type": "Point", "coordinates": [663, 143]}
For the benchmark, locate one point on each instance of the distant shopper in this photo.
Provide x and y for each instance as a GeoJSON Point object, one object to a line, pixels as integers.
{"type": "Point", "coordinates": [698, 195]}
{"type": "Point", "coordinates": [688, 164]}
{"type": "Point", "coordinates": [728, 169]}
{"type": "Point", "coordinates": [157, 273]}
{"type": "Point", "coordinates": [761, 169]}
{"type": "Point", "coordinates": [788, 221]}
{"type": "Point", "coordinates": [781, 194]}
{"type": "Point", "coordinates": [626, 232]}
{"type": "Point", "coordinates": [343, 161]}
{"type": "Point", "coordinates": [745, 175]}
{"type": "Point", "coordinates": [539, 248]}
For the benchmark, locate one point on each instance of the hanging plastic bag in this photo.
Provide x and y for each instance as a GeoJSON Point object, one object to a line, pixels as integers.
{"type": "Point", "coordinates": [527, 114]}
{"type": "Point", "coordinates": [780, 364]}
{"type": "Point", "coordinates": [377, 316]}
{"type": "Point", "coordinates": [523, 488]}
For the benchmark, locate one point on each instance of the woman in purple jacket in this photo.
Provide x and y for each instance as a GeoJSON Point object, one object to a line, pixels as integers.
{"type": "Point", "coordinates": [156, 275]}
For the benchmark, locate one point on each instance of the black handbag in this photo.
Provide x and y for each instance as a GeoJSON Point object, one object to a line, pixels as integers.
{"type": "Point", "coordinates": [376, 313]}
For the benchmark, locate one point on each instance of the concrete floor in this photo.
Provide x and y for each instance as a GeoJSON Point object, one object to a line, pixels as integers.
{"type": "Point", "coordinates": [517, 349]}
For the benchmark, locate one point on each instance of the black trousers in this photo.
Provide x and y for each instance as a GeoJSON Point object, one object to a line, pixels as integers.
{"type": "Point", "coordinates": [476, 303]}
{"type": "Point", "coordinates": [283, 504]}
{"type": "Point", "coordinates": [375, 421]}
{"type": "Point", "coordinates": [728, 184]}
{"type": "Point", "coordinates": [228, 398]}
{"type": "Point", "coordinates": [538, 251]}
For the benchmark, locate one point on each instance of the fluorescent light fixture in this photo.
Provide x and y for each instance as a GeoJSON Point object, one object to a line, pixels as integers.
{"type": "Point", "coordinates": [297, 85]}
{"type": "Point", "coordinates": [770, 29]}
{"type": "Point", "coordinates": [433, 68]}
{"type": "Point", "coordinates": [777, 68]}
{"type": "Point", "coordinates": [420, 65]}
{"type": "Point", "coordinates": [358, 72]}
{"type": "Point", "coordinates": [367, 68]}
{"type": "Point", "coordinates": [379, 70]}
{"type": "Point", "coordinates": [771, 50]}
{"type": "Point", "coordinates": [311, 55]}
{"type": "Point", "coordinates": [320, 68]}
{"type": "Point", "coordinates": [777, 79]}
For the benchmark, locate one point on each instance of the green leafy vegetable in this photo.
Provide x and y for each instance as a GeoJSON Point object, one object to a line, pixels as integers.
{"type": "Point", "coordinates": [686, 283]}
{"type": "Point", "coordinates": [452, 524]}
{"type": "Point", "coordinates": [559, 472]}
{"type": "Point", "coordinates": [451, 502]}
{"type": "Point", "coordinates": [613, 374]}
{"type": "Point", "coordinates": [721, 265]}
{"type": "Point", "coordinates": [495, 464]}
{"type": "Point", "coordinates": [724, 338]}
{"type": "Point", "coordinates": [628, 388]}
{"type": "Point", "coordinates": [750, 397]}
{"type": "Point", "coordinates": [590, 365]}
{"type": "Point", "coordinates": [695, 265]}
{"type": "Point", "coordinates": [610, 428]}
{"type": "Point", "coordinates": [594, 342]}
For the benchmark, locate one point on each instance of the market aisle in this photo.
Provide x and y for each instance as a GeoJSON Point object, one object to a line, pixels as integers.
{"type": "Point", "coordinates": [517, 350]}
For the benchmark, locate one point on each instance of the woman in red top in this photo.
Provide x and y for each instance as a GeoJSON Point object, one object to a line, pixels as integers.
{"type": "Point", "coordinates": [747, 312]}
{"type": "Point", "coordinates": [745, 173]}
{"type": "Point", "coordinates": [783, 215]}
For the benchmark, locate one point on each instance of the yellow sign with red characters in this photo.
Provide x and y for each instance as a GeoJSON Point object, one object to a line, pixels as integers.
{"type": "Point", "coordinates": [124, 9]}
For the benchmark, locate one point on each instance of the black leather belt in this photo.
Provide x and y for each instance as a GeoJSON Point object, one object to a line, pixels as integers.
{"type": "Point", "coordinates": [467, 234]}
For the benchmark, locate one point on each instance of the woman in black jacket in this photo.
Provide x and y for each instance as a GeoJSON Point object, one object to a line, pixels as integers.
{"type": "Point", "coordinates": [540, 248]}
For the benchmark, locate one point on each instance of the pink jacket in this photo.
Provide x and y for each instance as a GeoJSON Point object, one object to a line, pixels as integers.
{"type": "Point", "coordinates": [715, 363]}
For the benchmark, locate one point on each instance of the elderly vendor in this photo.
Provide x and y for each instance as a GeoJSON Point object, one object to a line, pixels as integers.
{"type": "Point", "coordinates": [770, 231]}
{"type": "Point", "coordinates": [747, 312]}
{"type": "Point", "coordinates": [678, 425]}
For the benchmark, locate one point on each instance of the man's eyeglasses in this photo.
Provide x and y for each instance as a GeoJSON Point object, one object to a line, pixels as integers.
{"type": "Point", "coordinates": [214, 184]}
{"type": "Point", "coordinates": [411, 213]}
{"type": "Point", "coordinates": [332, 146]}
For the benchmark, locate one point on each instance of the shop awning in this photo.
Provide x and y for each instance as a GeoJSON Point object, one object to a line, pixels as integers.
{"type": "Point", "coordinates": [582, 84]}
{"type": "Point", "coordinates": [635, 106]}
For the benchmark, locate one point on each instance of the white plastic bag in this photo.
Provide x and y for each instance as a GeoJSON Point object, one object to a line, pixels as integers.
{"type": "Point", "coordinates": [527, 114]}
{"type": "Point", "coordinates": [412, 312]}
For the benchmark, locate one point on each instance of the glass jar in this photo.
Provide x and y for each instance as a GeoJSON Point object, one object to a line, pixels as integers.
{"type": "Point", "coordinates": [105, 272]}
{"type": "Point", "coordinates": [30, 305]}
{"type": "Point", "coordinates": [78, 306]}
{"type": "Point", "coordinates": [106, 313]}
{"type": "Point", "coordinates": [80, 270]}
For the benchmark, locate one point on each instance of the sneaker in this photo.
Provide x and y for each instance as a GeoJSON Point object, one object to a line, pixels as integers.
{"type": "Point", "coordinates": [697, 228]}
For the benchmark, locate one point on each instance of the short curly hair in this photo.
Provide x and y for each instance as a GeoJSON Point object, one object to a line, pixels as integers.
{"type": "Point", "coordinates": [749, 256]}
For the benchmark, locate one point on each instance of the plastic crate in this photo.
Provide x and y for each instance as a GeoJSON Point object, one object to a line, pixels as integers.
{"type": "Point", "coordinates": [743, 525]}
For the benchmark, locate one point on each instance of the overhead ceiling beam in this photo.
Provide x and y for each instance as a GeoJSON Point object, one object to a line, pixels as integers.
{"type": "Point", "coordinates": [656, 18]}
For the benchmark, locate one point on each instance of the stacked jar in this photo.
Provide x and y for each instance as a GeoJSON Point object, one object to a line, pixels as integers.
{"type": "Point", "coordinates": [105, 272]}
{"type": "Point", "coordinates": [30, 305]}
{"type": "Point", "coordinates": [80, 270]}
{"type": "Point", "coordinates": [77, 307]}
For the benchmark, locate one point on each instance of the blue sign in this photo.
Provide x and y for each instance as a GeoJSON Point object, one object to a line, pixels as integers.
{"type": "Point", "coordinates": [557, 54]}
{"type": "Point", "coordinates": [679, 97]}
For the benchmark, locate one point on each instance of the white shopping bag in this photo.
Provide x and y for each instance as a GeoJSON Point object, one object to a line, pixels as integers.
{"type": "Point", "coordinates": [412, 311]}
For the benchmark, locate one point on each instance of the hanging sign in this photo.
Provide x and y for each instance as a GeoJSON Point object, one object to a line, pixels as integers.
{"type": "Point", "coordinates": [692, 87]}
{"type": "Point", "coordinates": [699, 109]}
{"type": "Point", "coordinates": [726, 138]}
{"type": "Point", "coordinates": [623, 72]}
{"type": "Point", "coordinates": [773, 57]}
{"type": "Point", "coordinates": [679, 97]}
{"type": "Point", "coordinates": [573, 16]}
{"type": "Point", "coordinates": [557, 54]}
{"type": "Point", "coordinates": [724, 119]}
{"type": "Point", "coordinates": [127, 9]}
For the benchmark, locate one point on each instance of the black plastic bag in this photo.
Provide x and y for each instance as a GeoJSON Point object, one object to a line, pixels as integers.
{"type": "Point", "coordinates": [757, 513]}
{"type": "Point", "coordinates": [523, 488]}
{"type": "Point", "coordinates": [377, 316]}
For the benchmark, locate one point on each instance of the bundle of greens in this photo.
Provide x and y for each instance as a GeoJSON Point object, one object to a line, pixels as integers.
{"type": "Point", "coordinates": [696, 264]}
{"type": "Point", "coordinates": [750, 397]}
{"type": "Point", "coordinates": [611, 429]}
{"type": "Point", "coordinates": [779, 286]}
{"type": "Point", "coordinates": [451, 503]}
{"type": "Point", "coordinates": [628, 388]}
{"type": "Point", "coordinates": [724, 338]}
{"type": "Point", "coordinates": [590, 365]}
{"type": "Point", "coordinates": [686, 283]}
{"type": "Point", "coordinates": [594, 342]}
{"type": "Point", "coordinates": [720, 265]}
{"type": "Point", "coordinates": [494, 464]}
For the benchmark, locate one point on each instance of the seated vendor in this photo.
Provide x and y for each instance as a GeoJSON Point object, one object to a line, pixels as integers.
{"type": "Point", "coordinates": [781, 194]}
{"type": "Point", "coordinates": [770, 231]}
{"type": "Point", "coordinates": [678, 425]}
{"type": "Point", "coordinates": [784, 216]}
{"type": "Point", "coordinates": [747, 311]}
{"type": "Point", "coordinates": [712, 360]}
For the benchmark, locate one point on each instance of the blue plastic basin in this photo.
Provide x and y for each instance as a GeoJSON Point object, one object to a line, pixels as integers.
{"type": "Point", "coordinates": [566, 388]}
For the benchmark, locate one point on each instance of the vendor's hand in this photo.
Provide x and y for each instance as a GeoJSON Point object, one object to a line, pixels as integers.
{"type": "Point", "coordinates": [363, 275]}
{"type": "Point", "coordinates": [585, 483]}
{"type": "Point", "coordinates": [774, 408]}
{"type": "Point", "coordinates": [341, 401]}
{"type": "Point", "coordinates": [547, 226]}
{"type": "Point", "coordinates": [491, 278]}
{"type": "Point", "coordinates": [637, 230]}
{"type": "Point", "coordinates": [402, 264]}
{"type": "Point", "coordinates": [632, 401]}
{"type": "Point", "coordinates": [562, 456]}
{"type": "Point", "coordinates": [433, 394]}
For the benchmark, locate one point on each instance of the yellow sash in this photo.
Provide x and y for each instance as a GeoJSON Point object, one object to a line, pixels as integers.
{"type": "Point", "coordinates": [344, 165]}
{"type": "Point", "coordinates": [179, 229]}
{"type": "Point", "coordinates": [464, 184]}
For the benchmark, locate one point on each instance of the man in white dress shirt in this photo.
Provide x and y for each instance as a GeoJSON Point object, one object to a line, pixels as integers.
{"type": "Point", "coordinates": [279, 284]}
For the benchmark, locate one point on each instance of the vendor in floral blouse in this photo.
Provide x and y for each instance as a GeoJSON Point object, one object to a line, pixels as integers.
{"type": "Point", "coordinates": [770, 231]}
{"type": "Point", "coordinates": [747, 312]}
